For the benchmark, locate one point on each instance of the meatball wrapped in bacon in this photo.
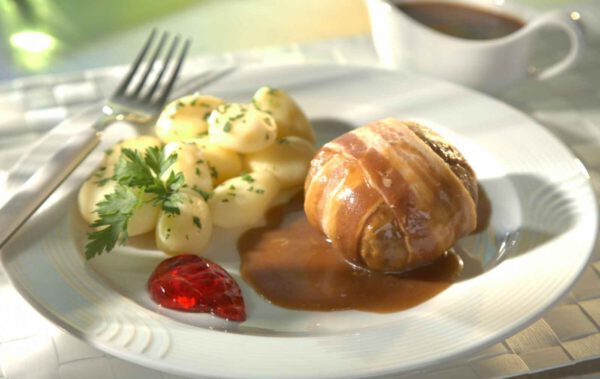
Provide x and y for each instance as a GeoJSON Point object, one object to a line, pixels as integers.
{"type": "Point", "coordinates": [391, 195]}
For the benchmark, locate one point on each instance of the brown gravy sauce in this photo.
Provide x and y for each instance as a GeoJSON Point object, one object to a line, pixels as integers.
{"type": "Point", "coordinates": [461, 21]}
{"type": "Point", "coordinates": [291, 264]}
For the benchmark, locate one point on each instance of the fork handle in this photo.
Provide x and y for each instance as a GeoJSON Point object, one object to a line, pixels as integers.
{"type": "Point", "coordinates": [44, 181]}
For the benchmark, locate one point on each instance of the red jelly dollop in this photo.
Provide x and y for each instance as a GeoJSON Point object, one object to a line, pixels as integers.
{"type": "Point", "coordinates": [194, 284]}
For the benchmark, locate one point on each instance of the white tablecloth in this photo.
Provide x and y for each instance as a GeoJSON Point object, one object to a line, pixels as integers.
{"type": "Point", "coordinates": [31, 347]}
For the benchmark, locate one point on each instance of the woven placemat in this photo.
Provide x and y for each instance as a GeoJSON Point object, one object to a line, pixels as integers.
{"type": "Point", "coordinates": [31, 347]}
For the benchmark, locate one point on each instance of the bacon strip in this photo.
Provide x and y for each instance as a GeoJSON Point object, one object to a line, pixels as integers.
{"type": "Point", "coordinates": [391, 163]}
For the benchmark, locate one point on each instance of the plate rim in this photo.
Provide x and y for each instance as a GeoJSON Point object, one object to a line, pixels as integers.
{"type": "Point", "coordinates": [509, 330]}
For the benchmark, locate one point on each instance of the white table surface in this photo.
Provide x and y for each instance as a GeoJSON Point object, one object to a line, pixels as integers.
{"type": "Point", "coordinates": [566, 336]}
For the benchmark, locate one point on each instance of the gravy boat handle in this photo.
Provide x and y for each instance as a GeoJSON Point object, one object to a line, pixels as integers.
{"type": "Point", "coordinates": [560, 19]}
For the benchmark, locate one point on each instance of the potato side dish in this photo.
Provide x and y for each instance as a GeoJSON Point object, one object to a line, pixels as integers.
{"type": "Point", "coordinates": [210, 163]}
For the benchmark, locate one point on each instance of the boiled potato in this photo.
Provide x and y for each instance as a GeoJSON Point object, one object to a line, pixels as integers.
{"type": "Point", "coordinates": [185, 117]}
{"type": "Point", "coordinates": [290, 119]}
{"type": "Point", "coordinates": [192, 163]}
{"type": "Point", "coordinates": [187, 232]}
{"type": "Point", "coordinates": [143, 219]}
{"type": "Point", "coordinates": [241, 128]}
{"type": "Point", "coordinates": [288, 159]}
{"type": "Point", "coordinates": [223, 163]}
{"type": "Point", "coordinates": [243, 200]}
{"type": "Point", "coordinates": [139, 143]}
{"type": "Point", "coordinates": [91, 193]}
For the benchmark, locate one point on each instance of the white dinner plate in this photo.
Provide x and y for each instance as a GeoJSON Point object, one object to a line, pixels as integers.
{"type": "Point", "coordinates": [539, 240]}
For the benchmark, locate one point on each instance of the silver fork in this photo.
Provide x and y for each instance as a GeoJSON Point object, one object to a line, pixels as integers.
{"type": "Point", "coordinates": [136, 99]}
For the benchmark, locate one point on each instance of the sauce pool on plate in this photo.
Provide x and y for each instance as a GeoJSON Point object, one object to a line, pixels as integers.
{"type": "Point", "coordinates": [292, 265]}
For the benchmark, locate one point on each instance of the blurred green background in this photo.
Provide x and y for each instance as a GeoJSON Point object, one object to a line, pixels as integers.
{"type": "Point", "coordinates": [43, 36]}
{"type": "Point", "coordinates": [37, 32]}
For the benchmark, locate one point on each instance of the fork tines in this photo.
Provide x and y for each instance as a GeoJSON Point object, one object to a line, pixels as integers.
{"type": "Point", "coordinates": [137, 85]}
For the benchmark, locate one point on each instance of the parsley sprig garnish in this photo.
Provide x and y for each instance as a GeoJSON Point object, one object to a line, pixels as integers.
{"type": "Point", "coordinates": [138, 182]}
{"type": "Point", "coordinates": [115, 211]}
